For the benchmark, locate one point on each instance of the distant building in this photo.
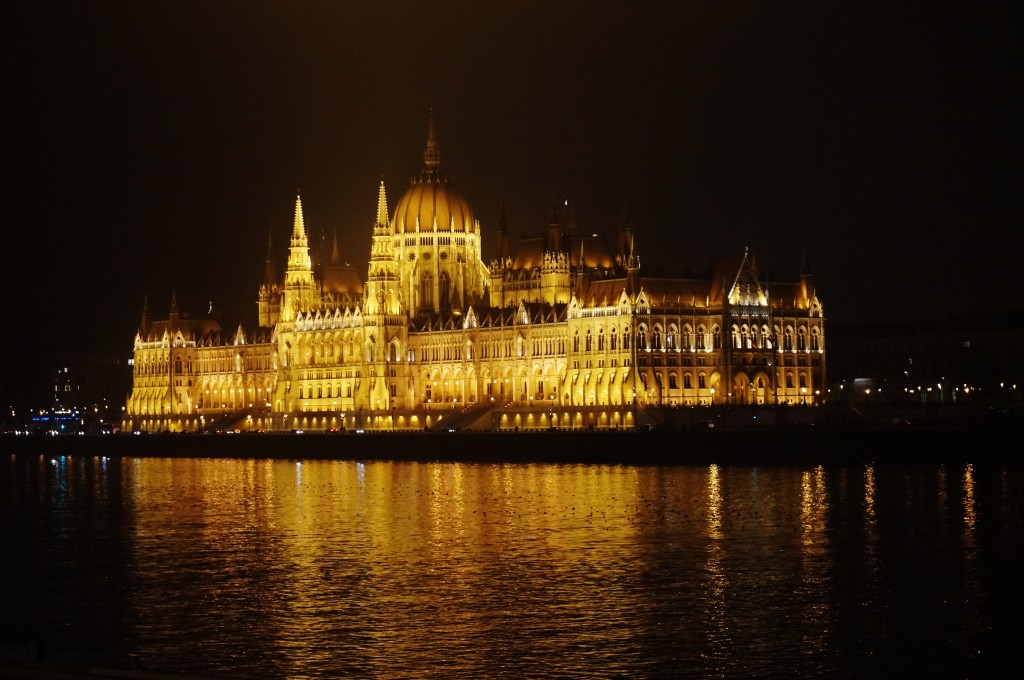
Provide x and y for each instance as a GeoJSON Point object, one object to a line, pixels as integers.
{"type": "Point", "coordinates": [964, 358]}
{"type": "Point", "coordinates": [561, 331]}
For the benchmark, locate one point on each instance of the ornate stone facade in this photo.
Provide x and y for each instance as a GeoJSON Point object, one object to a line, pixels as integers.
{"type": "Point", "coordinates": [561, 332]}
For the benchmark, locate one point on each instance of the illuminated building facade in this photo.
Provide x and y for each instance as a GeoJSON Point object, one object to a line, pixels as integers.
{"type": "Point", "coordinates": [562, 331]}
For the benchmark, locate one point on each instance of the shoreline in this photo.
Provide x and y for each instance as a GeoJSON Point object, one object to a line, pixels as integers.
{"type": "Point", "coordinates": [757, 446]}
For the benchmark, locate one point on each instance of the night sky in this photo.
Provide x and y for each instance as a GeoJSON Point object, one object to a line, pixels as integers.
{"type": "Point", "coordinates": [158, 145]}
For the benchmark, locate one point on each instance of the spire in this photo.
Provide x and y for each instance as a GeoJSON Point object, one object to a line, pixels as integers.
{"type": "Point", "coordinates": [299, 230]}
{"type": "Point", "coordinates": [502, 235]}
{"type": "Point", "coordinates": [269, 274]}
{"type": "Point", "coordinates": [627, 245]}
{"type": "Point", "coordinates": [335, 253]}
{"type": "Point", "coordinates": [144, 321]}
{"type": "Point", "coordinates": [431, 157]}
{"type": "Point", "coordinates": [382, 203]}
{"type": "Point", "coordinates": [174, 315]}
{"type": "Point", "coordinates": [553, 243]}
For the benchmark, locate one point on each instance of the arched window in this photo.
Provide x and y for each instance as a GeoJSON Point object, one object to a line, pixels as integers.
{"type": "Point", "coordinates": [801, 340]}
{"type": "Point", "coordinates": [687, 382]}
{"type": "Point", "coordinates": [641, 338]}
{"type": "Point", "coordinates": [701, 335]}
{"type": "Point", "coordinates": [590, 341]}
{"type": "Point", "coordinates": [656, 338]}
{"type": "Point", "coordinates": [702, 381]}
{"type": "Point", "coordinates": [626, 338]}
{"type": "Point", "coordinates": [672, 383]}
{"type": "Point", "coordinates": [614, 340]}
{"type": "Point", "coordinates": [600, 340]}
{"type": "Point", "coordinates": [787, 338]}
{"type": "Point", "coordinates": [716, 337]}
{"type": "Point", "coordinates": [576, 342]}
{"type": "Point", "coordinates": [687, 340]}
{"type": "Point", "coordinates": [815, 340]}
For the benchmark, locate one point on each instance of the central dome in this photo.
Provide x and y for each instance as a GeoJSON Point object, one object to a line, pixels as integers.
{"type": "Point", "coordinates": [432, 198]}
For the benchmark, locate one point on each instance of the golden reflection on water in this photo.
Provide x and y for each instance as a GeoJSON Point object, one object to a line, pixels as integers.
{"type": "Point", "coordinates": [814, 562]}
{"type": "Point", "coordinates": [339, 569]}
{"type": "Point", "coordinates": [270, 569]}
{"type": "Point", "coordinates": [414, 540]}
{"type": "Point", "coordinates": [869, 496]}
{"type": "Point", "coordinates": [970, 515]}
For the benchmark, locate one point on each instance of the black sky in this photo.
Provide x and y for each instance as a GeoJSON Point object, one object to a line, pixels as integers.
{"type": "Point", "coordinates": [157, 145]}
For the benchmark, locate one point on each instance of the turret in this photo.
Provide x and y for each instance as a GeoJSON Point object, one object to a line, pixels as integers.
{"type": "Point", "coordinates": [554, 273]}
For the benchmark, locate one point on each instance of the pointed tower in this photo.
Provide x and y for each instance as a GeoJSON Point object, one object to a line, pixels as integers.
{"type": "Point", "coordinates": [174, 316]}
{"type": "Point", "coordinates": [627, 254]}
{"type": "Point", "coordinates": [499, 263]}
{"type": "Point", "coordinates": [269, 301]}
{"type": "Point", "coordinates": [387, 326]}
{"type": "Point", "coordinates": [431, 156]}
{"type": "Point", "coordinates": [382, 284]}
{"type": "Point", "coordinates": [144, 321]}
{"type": "Point", "coordinates": [300, 291]}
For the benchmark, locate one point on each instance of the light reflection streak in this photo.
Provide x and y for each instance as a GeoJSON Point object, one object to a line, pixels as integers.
{"type": "Point", "coordinates": [973, 595]}
{"type": "Point", "coordinates": [814, 556]}
{"type": "Point", "coordinates": [715, 606]}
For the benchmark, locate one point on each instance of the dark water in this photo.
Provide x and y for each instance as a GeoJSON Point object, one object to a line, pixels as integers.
{"type": "Point", "coordinates": [276, 569]}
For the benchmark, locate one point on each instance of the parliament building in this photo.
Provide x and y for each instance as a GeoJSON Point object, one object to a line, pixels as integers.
{"type": "Point", "coordinates": [563, 330]}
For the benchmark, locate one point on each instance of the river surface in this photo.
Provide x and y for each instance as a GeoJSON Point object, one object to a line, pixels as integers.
{"type": "Point", "coordinates": [253, 569]}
